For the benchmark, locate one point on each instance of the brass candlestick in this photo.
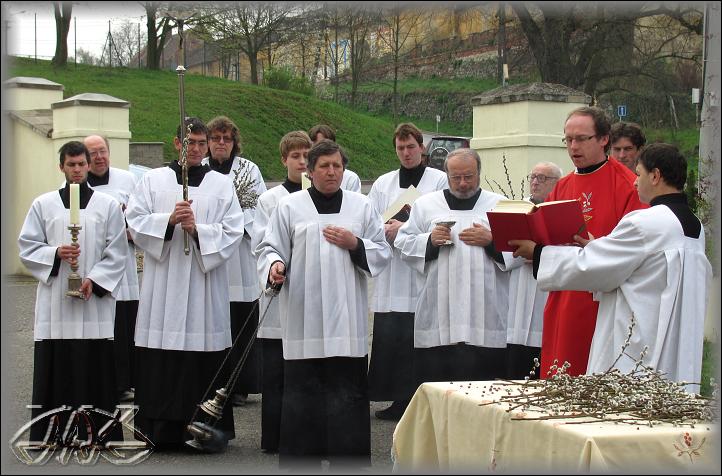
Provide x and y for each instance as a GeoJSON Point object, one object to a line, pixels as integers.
{"type": "Point", "coordinates": [74, 279]}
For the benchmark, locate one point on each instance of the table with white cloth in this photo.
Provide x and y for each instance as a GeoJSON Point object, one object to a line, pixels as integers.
{"type": "Point", "coordinates": [446, 427]}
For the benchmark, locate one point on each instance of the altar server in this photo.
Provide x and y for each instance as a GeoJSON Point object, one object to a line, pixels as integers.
{"type": "Point", "coordinates": [73, 354]}
{"type": "Point", "coordinates": [651, 268]}
{"type": "Point", "coordinates": [119, 184]}
{"type": "Point", "coordinates": [183, 326]}
{"type": "Point", "coordinates": [294, 149]}
{"type": "Point", "coordinates": [322, 244]}
{"type": "Point", "coordinates": [396, 289]}
{"type": "Point", "coordinates": [460, 319]}
{"type": "Point", "coordinates": [224, 147]}
{"type": "Point", "coordinates": [525, 314]}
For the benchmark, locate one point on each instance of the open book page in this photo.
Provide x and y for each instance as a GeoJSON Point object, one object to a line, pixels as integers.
{"type": "Point", "coordinates": [546, 204]}
{"type": "Point", "coordinates": [406, 198]}
{"type": "Point", "coordinates": [513, 206]}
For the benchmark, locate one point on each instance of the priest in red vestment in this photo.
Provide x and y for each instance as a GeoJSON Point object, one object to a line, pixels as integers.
{"type": "Point", "coordinates": [606, 191]}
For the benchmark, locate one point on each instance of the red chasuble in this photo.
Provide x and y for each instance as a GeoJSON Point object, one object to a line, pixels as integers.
{"type": "Point", "coordinates": [606, 195]}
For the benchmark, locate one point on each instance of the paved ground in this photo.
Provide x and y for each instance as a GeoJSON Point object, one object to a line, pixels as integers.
{"type": "Point", "coordinates": [242, 457]}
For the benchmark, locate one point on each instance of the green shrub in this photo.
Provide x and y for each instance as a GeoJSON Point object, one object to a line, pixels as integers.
{"type": "Point", "coordinates": [284, 79]}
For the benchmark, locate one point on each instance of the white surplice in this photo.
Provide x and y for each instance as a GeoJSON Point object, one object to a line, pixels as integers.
{"type": "Point", "coordinates": [323, 302]}
{"type": "Point", "coordinates": [102, 256]}
{"type": "Point", "coordinates": [184, 299]}
{"type": "Point", "coordinates": [525, 316]}
{"type": "Point", "coordinates": [242, 277]}
{"type": "Point", "coordinates": [397, 287]}
{"type": "Point", "coordinates": [271, 325]}
{"type": "Point", "coordinates": [350, 181]}
{"type": "Point", "coordinates": [120, 185]}
{"type": "Point", "coordinates": [648, 268]}
{"type": "Point", "coordinates": [463, 295]}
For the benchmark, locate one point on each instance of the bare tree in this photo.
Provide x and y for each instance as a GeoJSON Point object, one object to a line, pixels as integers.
{"type": "Point", "coordinates": [334, 39]}
{"type": "Point", "coordinates": [158, 30]}
{"type": "Point", "coordinates": [398, 23]}
{"type": "Point", "coordinates": [63, 12]}
{"type": "Point", "coordinates": [582, 45]}
{"type": "Point", "coordinates": [127, 39]}
{"type": "Point", "coordinates": [358, 23]}
{"type": "Point", "coordinates": [252, 28]}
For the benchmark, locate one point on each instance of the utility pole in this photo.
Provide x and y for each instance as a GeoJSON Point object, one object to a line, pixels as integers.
{"type": "Point", "coordinates": [709, 153]}
{"type": "Point", "coordinates": [36, 38]}
{"type": "Point", "coordinates": [110, 47]}
{"type": "Point", "coordinates": [139, 44]}
{"type": "Point", "coordinates": [501, 48]}
{"type": "Point", "coordinates": [75, 36]}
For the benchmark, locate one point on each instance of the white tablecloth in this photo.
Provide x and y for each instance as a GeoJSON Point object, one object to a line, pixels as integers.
{"type": "Point", "coordinates": [444, 428]}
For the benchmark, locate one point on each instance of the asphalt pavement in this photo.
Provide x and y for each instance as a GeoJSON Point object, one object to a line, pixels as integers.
{"type": "Point", "coordinates": [243, 455]}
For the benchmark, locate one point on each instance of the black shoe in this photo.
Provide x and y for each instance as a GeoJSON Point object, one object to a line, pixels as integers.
{"type": "Point", "coordinates": [126, 396]}
{"type": "Point", "coordinates": [393, 413]}
{"type": "Point", "coordinates": [239, 399]}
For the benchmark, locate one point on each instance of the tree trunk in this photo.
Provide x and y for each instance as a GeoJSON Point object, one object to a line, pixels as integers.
{"type": "Point", "coordinates": [154, 46]}
{"type": "Point", "coordinates": [253, 60]}
{"type": "Point", "coordinates": [397, 48]}
{"type": "Point", "coordinates": [63, 11]}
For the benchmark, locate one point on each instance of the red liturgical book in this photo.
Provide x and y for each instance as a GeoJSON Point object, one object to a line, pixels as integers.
{"type": "Point", "coordinates": [548, 223]}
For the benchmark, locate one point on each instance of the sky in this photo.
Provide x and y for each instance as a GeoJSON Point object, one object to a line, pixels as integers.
{"type": "Point", "coordinates": [92, 25]}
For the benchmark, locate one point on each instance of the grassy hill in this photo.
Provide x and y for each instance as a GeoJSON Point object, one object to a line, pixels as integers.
{"type": "Point", "coordinates": [263, 115]}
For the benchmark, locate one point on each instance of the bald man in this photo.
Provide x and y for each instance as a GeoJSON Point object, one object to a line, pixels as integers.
{"type": "Point", "coordinates": [118, 184]}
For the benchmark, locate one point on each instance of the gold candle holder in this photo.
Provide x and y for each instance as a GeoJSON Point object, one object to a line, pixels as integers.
{"type": "Point", "coordinates": [74, 279]}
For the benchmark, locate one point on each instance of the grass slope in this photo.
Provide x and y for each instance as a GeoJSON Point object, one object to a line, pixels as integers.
{"type": "Point", "coordinates": [263, 115]}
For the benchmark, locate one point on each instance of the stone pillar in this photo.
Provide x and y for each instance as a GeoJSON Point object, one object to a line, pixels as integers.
{"type": "Point", "coordinates": [23, 93]}
{"type": "Point", "coordinates": [90, 113]}
{"type": "Point", "coordinates": [515, 127]}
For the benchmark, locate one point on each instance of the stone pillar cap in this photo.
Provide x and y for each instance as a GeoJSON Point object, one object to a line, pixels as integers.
{"type": "Point", "coordinates": [91, 99]}
{"type": "Point", "coordinates": [531, 92]}
{"type": "Point", "coordinates": [30, 82]}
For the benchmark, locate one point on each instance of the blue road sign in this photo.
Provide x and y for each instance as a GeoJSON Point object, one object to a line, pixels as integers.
{"type": "Point", "coordinates": [621, 110]}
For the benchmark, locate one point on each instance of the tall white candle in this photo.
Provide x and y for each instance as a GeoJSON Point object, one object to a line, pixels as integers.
{"type": "Point", "coordinates": [74, 203]}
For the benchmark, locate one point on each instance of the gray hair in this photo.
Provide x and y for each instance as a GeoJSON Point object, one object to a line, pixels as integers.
{"type": "Point", "coordinates": [467, 153]}
{"type": "Point", "coordinates": [556, 170]}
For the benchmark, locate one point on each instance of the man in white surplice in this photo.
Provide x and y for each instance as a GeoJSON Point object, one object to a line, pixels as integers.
{"type": "Point", "coordinates": [396, 289]}
{"type": "Point", "coordinates": [350, 180]}
{"type": "Point", "coordinates": [651, 268]}
{"type": "Point", "coordinates": [183, 325]}
{"type": "Point", "coordinates": [73, 351]}
{"type": "Point", "coordinates": [525, 317]}
{"type": "Point", "coordinates": [322, 243]}
{"type": "Point", "coordinates": [223, 157]}
{"type": "Point", "coordinates": [460, 319]}
{"type": "Point", "coordinates": [119, 184]}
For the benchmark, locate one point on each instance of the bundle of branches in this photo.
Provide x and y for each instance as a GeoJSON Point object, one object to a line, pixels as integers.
{"type": "Point", "coordinates": [245, 186]}
{"type": "Point", "coordinates": [643, 395]}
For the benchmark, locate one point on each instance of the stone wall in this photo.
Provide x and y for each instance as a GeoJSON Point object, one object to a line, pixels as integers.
{"type": "Point", "coordinates": [148, 154]}
{"type": "Point", "coordinates": [454, 107]}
